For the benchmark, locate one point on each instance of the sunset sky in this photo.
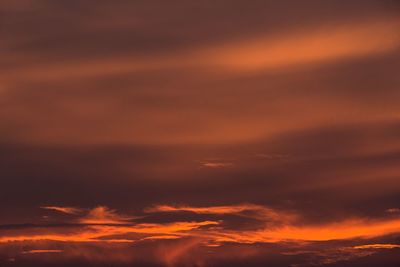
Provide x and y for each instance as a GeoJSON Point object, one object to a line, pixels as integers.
{"type": "Point", "coordinates": [187, 133]}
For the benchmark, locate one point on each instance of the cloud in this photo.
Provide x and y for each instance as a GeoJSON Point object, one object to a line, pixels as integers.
{"type": "Point", "coordinates": [40, 251]}
{"type": "Point", "coordinates": [377, 246]}
{"type": "Point", "coordinates": [393, 210]}
{"type": "Point", "coordinates": [67, 210]}
{"type": "Point", "coordinates": [216, 165]}
{"type": "Point", "coordinates": [107, 232]}
{"type": "Point", "coordinates": [246, 210]}
{"type": "Point", "coordinates": [327, 44]}
{"type": "Point", "coordinates": [104, 215]}
{"type": "Point", "coordinates": [206, 210]}
{"type": "Point", "coordinates": [349, 229]}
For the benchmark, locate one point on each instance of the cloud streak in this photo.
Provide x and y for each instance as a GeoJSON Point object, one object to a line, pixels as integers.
{"type": "Point", "coordinates": [66, 210]}
{"type": "Point", "coordinates": [327, 44]}
{"type": "Point", "coordinates": [377, 246]}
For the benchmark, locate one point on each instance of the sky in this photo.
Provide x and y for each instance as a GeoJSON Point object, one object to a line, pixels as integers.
{"type": "Point", "coordinates": [199, 133]}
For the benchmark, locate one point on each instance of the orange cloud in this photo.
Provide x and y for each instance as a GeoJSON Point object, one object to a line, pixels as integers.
{"type": "Point", "coordinates": [349, 229]}
{"type": "Point", "coordinates": [105, 233]}
{"type": "Point", "coordinates": [287, 230]}
{"type": "Point", "coordinates": [206, 210]}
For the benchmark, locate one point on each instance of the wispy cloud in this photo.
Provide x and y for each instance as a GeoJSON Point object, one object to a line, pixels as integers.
{"type": "Point", "coordinates": [393, 210]}
{"type": "Point", "coordinates": [41, 251]}
{"type": "Point", "coordinates": [331, 43]}
{"type": "Point", "coordinates": [348, 229]}
{"type": "Point", "coordinates": [106, 232]}
{"type": "Point", "coordinates": [246, 210]}
{"type": "Point", "coordinates": [104, 215]}
{"type": "Point", "coordinates": [67, 210]}
{"type": "Point", "coordinates": [377, 246]}
{"type": "Point", "coordinates": [206, 210]}
{"type": "Point", "coordinates": [216, 165]}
